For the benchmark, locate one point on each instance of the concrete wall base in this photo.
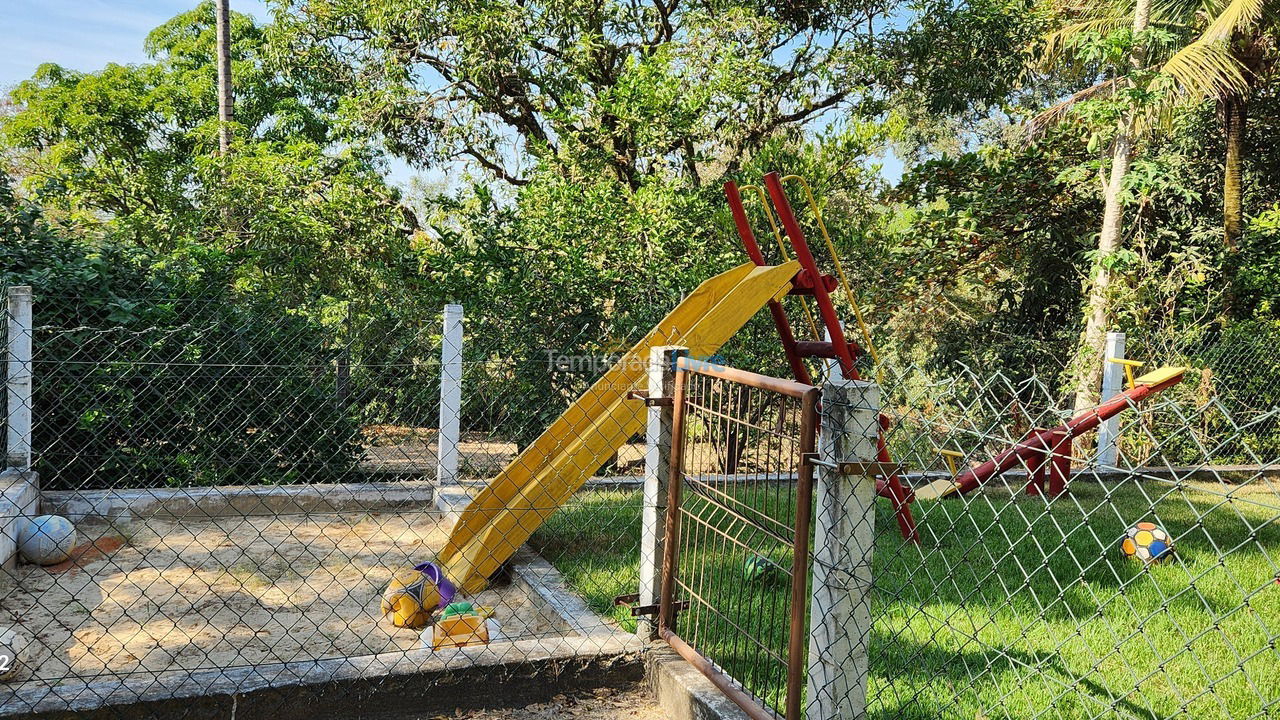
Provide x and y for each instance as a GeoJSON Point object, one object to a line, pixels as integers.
{"type": "Point", "coordinates": [236, 501]}
{"type": "Point", "coordinates": [682, 692]}
{"type": "Point", "coordinates": [413, 684]}
{"type": "Point", "coordinates": [19, 499]}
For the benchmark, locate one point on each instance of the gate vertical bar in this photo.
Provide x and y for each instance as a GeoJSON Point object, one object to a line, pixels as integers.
{"type": "Point", "coordinates": [18, 377]}
{"type": "Point", "coordinates": [657, 473]}
{"type": "Point", "coordinates": [671, 534]}
{"type": "Point", "coordinates": [840, 613]}
{"type": "Point", "coordinates": [800, 555]}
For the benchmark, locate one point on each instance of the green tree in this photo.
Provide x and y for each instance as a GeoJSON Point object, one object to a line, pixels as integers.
{"type": "Point", "coordinates": [615, 89]}
{"type": "Point", "coordinates": [1227, 62]}
{"type": "Point", "coordinates": [132, 152]}
{"type": "Point", "coordinates": [1218, 51]}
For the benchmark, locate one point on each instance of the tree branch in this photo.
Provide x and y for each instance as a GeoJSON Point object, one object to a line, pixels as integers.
{"type": "Point", "coordinates": [493, 167]}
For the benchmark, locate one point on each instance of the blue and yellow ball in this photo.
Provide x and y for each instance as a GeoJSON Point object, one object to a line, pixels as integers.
{"type": "Point", "coordinates": [1147, 542]}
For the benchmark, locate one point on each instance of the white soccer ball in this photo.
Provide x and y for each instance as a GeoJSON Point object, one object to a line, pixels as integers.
{"type": "Point", "coordinates": [46, 540]}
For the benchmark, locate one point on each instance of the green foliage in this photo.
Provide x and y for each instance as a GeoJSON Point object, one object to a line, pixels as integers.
{"type": "Point", "coordinates": [267, 256]}
{"type": "Point", "coordinates": [1257, 277]}
{"type": "Point", "coordinates": [1244, 344]}
{"type": "Point", "coordinates": [149, 373]}
{"type": "Point", "coordinates": [617, 89]}
{"type": "Point", "coordinates": [967, 56]}
{"type": "Point", "coordinates": [992, 284]}
{"type": "Point", "coordinates": [120, 148]}
{"type": "Point", "coordinates": [534, 286]}
{"type": "Point", "coordinates": [131, 152]}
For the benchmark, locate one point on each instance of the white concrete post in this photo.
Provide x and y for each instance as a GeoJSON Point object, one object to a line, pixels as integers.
{"type": "Point", "coordinates": [1112, 385]}
{"type": "Point", "coordinates": [18, 378]}
{"type": "Point", "coordinates": [450, 396]}
{"type": "Point", "coordinates": [657, 471]}
{"type": "Point", "coordinates": [844, 534]}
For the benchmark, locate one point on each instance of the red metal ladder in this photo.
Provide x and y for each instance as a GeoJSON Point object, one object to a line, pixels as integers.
{"type": "Point", "coordinates": [811, 281]}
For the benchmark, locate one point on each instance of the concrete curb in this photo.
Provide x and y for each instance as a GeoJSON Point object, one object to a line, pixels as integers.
{"type": "Point", "coordinates": [239, 500]}
{"type": "Point", "coordinates": [534, 573]}
{"type": "Point", "coordinates": [682, 692]}
{"type": "Point", "coordinates": [19, 499]}
{"type": "Point", "coordinates": [452, 498]}
{"type": "Point", "coordinates": [426, 682]}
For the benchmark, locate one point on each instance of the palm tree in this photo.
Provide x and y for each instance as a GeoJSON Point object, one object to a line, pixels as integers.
{"type": "Point", "coordinates": [226, 102]}
{"type": "Point", "coordinates": [1226, 63]}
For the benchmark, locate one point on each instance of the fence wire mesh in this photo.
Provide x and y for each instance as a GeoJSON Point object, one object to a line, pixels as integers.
{"type": "Point", "coordinates": [1025, 605]}
{"type": "Point", "coordinates": [245, 481]}
{"type": "Point", "coordinates": [244, 484]}
{"type": "Point", "coordinates": [1234, 387]}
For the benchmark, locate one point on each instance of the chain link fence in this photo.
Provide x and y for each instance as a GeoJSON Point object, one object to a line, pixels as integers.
{"type": "Point", "coordinates": [1020, 604]}
{"type": "Point", "coordinates": [244, 482]}
{"type": "Point", "coordinates": [1235, 387]}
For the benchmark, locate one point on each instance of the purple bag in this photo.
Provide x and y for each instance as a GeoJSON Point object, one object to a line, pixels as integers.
{"type": "Point", "coordinates": [436, 577]}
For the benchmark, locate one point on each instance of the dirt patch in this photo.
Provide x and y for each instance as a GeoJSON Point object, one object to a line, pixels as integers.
{"type": "Point", "coordinates": [85, 553]}
{"type": "Point", "coordinates": [602, 704]}
{"type": "Point", "coordinates": [228, 592]}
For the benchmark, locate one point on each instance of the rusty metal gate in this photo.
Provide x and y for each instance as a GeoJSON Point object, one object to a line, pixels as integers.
{"type": "Point", "coordinates": [735, 570]}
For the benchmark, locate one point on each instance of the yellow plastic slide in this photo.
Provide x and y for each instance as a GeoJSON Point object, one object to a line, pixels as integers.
{"type": "Point", "coordinates": [504, 514]}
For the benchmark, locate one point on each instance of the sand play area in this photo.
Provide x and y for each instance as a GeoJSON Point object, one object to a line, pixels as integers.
{"type": "Point", "coordinates": [154, 595]}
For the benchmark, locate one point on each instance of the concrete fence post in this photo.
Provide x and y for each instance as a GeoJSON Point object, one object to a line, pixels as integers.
{"type": "Point", "coordinates": [844, 534]}
{"type": "Point", "coordinates": [1112, 385]}
{"type": "Point", "coordinates": [450, 396]}
{"type": "Point", "coordinates": [18, 377]}
{"type": "Point", "coordinates": [657, 469]}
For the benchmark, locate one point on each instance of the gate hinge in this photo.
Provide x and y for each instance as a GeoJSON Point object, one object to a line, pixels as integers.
{"type": "Point", "coordinates": [646, 610]}
{"type": "Point", "coordinates": [650, 401]}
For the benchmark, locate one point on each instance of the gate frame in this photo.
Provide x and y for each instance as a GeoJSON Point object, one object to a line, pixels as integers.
{"type": "Point", "coordinates": [798, 632]}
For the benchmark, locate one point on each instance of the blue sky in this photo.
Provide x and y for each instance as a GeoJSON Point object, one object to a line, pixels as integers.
{"type": "Point", "coordinates": [88, 34]}
{"type": "Point", "coordinates": [85, 34]}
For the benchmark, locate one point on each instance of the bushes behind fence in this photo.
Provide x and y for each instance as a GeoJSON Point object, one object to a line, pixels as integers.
{"type": "Point", "coordinates": [153, 371]}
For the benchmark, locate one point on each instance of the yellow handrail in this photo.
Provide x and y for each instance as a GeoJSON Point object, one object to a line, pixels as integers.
{"type": "Point", "coordinates": [950, 456]}
{"type": "Point", "coordinates": [782, 248]}
{"type": "Point", "coordinates": [844, 281]}
{"type": "Point", "coordinates": [1129, 365]}
{"type": "Point", "coordinates": [768, 214]}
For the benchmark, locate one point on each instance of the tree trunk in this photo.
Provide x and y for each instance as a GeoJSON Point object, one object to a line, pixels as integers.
{"type": "Point", "coordinates": [1233, 125]}
{"type": "Point", "coordinates": [226, 102]}
{"type": "Point", "coordinates": [1097, 313]}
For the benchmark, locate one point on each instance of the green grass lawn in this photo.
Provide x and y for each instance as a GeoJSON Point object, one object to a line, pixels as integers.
{"type": "Point", "coordinates": [1009, 607]}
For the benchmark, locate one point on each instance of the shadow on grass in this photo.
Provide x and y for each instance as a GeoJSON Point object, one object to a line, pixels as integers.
{"type": "Point", "coordinates": [922, 680]}
{"type": "Point", "coordinates": [1014, 607]}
